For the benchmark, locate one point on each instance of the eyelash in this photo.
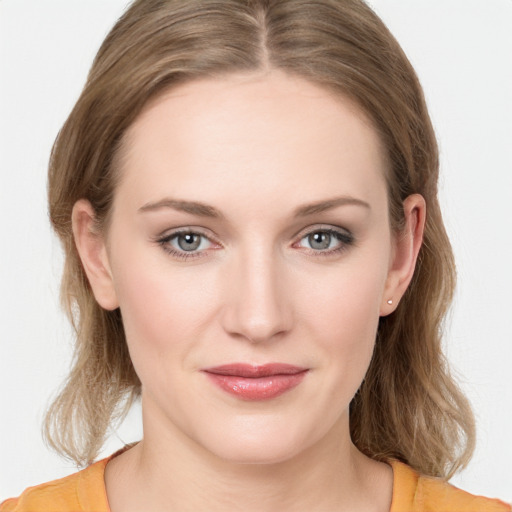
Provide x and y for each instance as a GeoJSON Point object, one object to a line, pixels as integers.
{"type": "Point", "coordinates": [345, 238]}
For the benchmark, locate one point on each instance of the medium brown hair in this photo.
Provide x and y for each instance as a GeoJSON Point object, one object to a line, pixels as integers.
{"type": "Point", "coordinates": [408, 406]}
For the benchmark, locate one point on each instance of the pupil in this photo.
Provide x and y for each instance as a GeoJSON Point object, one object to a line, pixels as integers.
{"type": "Point", "coordinates": [320, 240]}
{"type": "Point", "coordinates": [189, 242]}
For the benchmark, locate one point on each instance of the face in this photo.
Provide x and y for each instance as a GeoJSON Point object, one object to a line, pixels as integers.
{"type": "Point", "coordinates": [250, 227]}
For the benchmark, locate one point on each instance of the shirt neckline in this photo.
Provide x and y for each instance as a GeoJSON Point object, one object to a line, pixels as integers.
{"type": "Point", "coordinates": [404, 484]}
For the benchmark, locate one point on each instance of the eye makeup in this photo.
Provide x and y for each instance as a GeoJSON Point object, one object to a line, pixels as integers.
{"type": "Point", "coordinates": [189, 242]}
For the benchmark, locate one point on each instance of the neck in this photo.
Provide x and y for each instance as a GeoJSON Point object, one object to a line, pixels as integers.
{"type": "Point", "coordinates": [330, 475]}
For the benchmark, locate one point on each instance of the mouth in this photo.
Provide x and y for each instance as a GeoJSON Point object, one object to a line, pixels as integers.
{"type": "Point", "coordinates": [255, 382]}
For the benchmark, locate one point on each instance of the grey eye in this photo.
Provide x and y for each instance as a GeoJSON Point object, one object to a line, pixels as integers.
{"type": "Point", "coordinates": [320, 240]}
{"type": "Point", "coordinates": [326, 241]}
{"type": "Point", "coordinates": [188, 241]}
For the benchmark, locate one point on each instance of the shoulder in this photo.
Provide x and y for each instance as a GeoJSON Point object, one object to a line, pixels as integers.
{"type": "Point", "coordinates": [416, 493]}
{"type": "Point", "coordinates": [84, 490]}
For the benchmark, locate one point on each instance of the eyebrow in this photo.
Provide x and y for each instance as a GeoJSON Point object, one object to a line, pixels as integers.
{"type": "Point", "coordinates": [193, 207]}
{"type": "Point", "coordinates": [321, 206]}
{"type": "Point", "coordinates": [205, 210]}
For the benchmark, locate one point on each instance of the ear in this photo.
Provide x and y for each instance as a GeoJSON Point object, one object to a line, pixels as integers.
{"type": "Point", "coordinates": [406, 247]}
{"type": "Point", "coordinates": [93, 254]}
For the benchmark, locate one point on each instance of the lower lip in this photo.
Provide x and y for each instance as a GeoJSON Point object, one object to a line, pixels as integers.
{"type": "Point", "coordinates": [260, 388]}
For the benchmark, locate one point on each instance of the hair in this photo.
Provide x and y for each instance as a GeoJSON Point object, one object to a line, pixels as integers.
{"type": "Point", "coordinates": [408, 406]}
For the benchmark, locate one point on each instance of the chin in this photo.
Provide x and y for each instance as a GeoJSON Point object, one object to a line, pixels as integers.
{"type": "Point", "coordinates": [258, 446]}
{"type": "Point", "coordinates": [260, 453]}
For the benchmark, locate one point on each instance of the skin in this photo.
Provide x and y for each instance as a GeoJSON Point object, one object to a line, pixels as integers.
{"type": "Point", "coordinates": [255, 147]}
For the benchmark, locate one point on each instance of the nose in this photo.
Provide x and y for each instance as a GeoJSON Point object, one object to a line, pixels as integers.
{"type": "Point", "coordinates": [258, 306]}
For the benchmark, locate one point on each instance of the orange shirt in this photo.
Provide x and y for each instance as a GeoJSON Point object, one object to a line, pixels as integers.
{"type": "Point", "coordinates": [85, 492]}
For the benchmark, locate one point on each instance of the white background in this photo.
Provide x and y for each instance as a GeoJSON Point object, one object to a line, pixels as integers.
{"type": "Point", "coordinates": [462, 51]}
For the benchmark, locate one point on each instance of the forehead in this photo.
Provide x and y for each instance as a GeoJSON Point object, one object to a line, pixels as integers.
{"type": "Point", "coordinates": [251, 135]}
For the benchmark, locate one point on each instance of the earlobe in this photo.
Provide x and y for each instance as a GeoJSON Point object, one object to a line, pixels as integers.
{"type": "Point", "coordinates": [407, 246]}
{"type": "Point", "coordinates": [92, 250]}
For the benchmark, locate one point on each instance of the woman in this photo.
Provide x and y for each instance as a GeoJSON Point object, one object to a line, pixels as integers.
{"type": "Point", "coordinates": [242, 192]}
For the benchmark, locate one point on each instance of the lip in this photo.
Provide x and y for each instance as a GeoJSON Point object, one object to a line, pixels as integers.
{"type": "Point", "coordinates": [256, 382]}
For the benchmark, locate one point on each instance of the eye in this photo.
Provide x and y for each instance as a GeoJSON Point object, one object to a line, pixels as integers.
{"type": "Point", "coordinates": [326, 241]}
{"type": "Point", "coordinates": [188, 241]}
{"type": "Point", "coordinates": [185, 244]}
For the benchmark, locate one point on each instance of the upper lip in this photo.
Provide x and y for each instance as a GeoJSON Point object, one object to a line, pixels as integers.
{"type": "Point", "coordinates": [254, 371]}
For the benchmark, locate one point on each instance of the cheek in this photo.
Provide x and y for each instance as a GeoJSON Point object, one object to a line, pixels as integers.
{"type": "Point", "coordinates": [354, 326]}
{"type": "Point", "coordinates": [347, 299]}
{"type": "Point", "coordinates": [343, 316]}
{"type": "Point", "coordinates": [162, 307]}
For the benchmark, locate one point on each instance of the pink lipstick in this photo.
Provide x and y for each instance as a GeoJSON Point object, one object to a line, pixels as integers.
{"type": "Point", "coordinates": [250, 382]}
